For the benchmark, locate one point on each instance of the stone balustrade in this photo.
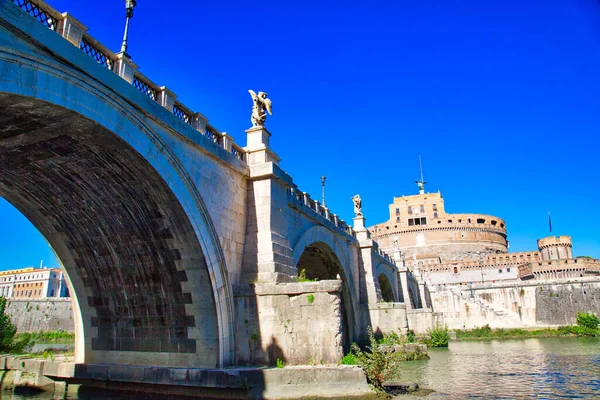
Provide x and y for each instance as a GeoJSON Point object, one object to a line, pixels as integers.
{"type": "Point", "coordinates": [304, 200]}
{"type": "Point", "coordinates": [120, 63]}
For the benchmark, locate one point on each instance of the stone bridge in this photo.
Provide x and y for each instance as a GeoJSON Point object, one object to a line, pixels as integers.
{"type": "Point", "coordinates": [183, 249]}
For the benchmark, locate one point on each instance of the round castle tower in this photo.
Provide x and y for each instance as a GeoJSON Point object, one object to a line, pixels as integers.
{"type": "Point", "coordinates": [555, 248]}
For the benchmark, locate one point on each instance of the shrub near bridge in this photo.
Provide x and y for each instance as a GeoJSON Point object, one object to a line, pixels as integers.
{"type": "Point", "coordinates": [588, 320]}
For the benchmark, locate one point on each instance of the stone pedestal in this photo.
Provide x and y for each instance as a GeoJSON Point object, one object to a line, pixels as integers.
{"type": "Point", "coordinates": [257, 148]}
{"type": "Point", "coordinates": [124, 67]}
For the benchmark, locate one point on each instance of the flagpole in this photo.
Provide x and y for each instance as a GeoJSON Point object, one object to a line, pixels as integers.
{"type": "Point", "coordinates": [549, 222]}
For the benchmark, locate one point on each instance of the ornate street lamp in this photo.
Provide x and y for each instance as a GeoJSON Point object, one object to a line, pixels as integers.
{"type": "Point", "coordinates": [323, 190]}
{"type": "Point", "coordinates": [129, 6]}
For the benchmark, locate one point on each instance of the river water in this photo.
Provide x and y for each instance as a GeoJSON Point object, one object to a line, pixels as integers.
{"type": "Point", "coordinates": [556, 368]}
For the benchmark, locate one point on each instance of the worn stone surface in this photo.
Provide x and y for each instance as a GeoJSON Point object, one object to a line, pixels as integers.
{"type": "Point", "coordinates": [535, 303]}
{"type": "Point", "coordinates": [41, 315]}
{"type": "Point", "coordinates": [298, 323]}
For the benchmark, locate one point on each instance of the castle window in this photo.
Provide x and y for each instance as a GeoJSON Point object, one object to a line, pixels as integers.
{"type": "Point", "coordinates": [450, 220]}
{"type": "Point", "coordinates": [435, 207]}
{"type": "Point", "coordinates": [435, 214]}
{"type": "Point", "coordinates": [494, 223]}
{"type": "Point", "coordinates": [501, 225]}
{"type": "Point", "coordinates": [417, 221]}
{"type": "Point", "coordinates": [455, 270]}
{"type": "Point", "coordinates": [410, 209]}
{"type": "Point", "coordinates": [480, 221]}
{"type": "Point", "coordinates": [422, 209]}
{"type": "Point", "coordinates": [439, 222]}
{"type": "Point", "coordinates": [397, 219]}
{"type": "Point", "coordinates": [499, 271]}
{"type": "Point", "coordinates": [459, 221]}
{"type": "Point", "coordinates": [508, 269]}
{"type": "Point", "coordinates": [397, 211]}
{"type": "Point", "coordinates": [469, 220]}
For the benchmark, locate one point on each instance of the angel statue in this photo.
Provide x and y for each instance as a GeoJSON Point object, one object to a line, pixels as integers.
{"type": "Point", "coordinates": [357, 205]}
{"type": "Point", "coordinates": [421, 184]}
{"type": "Point", "coordinates": [261, 106]}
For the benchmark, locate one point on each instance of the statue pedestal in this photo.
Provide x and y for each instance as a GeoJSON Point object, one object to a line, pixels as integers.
{"type": "Point", "coordinates": [359, 227]}
{"type": "Point", "coordinates": [257, 148]}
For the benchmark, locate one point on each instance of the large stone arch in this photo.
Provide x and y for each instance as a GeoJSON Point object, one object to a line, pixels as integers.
{"type": "Point", "coordinates": [151, 290]}
{"type": "Point", "coordinates": [322, 241]}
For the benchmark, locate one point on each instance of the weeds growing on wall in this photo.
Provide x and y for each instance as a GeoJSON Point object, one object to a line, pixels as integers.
{"type": "Point", "coordinates": [302, 276]}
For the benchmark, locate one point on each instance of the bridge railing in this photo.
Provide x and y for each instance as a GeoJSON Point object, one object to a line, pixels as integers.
{"type": "Point", "coordinates": [304, 202]}
{"type": "Point", "coordinates": [72, 30]}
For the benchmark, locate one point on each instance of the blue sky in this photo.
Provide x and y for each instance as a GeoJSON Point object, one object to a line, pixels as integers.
{"type": "Point", "coordinates": [500, 99]}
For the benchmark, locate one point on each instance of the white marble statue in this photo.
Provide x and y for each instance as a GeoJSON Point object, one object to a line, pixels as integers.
{"type": "Point", "coordinates": [261, 106]}
{"type": "Point", "coordinates": [357, 205]}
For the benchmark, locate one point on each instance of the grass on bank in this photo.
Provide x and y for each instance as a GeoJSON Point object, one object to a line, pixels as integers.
{"type": "Point", "coordinates": [58, 337]}
{"type": "Point", "coordinates": [587, 326]}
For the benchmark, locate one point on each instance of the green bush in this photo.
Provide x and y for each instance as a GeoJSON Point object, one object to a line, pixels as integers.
{"type": "Point", "coordinates": [7, 329]}
{"type": "Point", "coordinates": [379, 365]}
{"type": "Point", "coordinates": [350, 359]}
{"type": "Point", "coordinates": [280, 363]}
{"type": "Point", "coordinates": [440, 336]}
{"type": "Point", "coordinates": [588, 320]}
{"type": "Point", "coordinates": [390, 338]}
{"type": "Point", "coordinates": [410, 336]}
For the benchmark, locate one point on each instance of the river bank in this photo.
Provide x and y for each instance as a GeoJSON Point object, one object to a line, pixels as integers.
{"type": "Point", "coordinates": [486, 333]}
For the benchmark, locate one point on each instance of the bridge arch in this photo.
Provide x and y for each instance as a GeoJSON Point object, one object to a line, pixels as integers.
{"type": "Point", "coordinates": [324, 256]}
{"type": "Point", "coordinates": [387, 293]}
{"type": "Point", "coordinates": [388, 281]}
{"type": "Point", "coordinates": [130, 227]}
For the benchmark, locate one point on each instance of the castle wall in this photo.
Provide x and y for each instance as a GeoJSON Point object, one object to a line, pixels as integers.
{"type": "Point", "coordinates": [516, 305]}
{"type": "Point", "coordinates": [41, 315]}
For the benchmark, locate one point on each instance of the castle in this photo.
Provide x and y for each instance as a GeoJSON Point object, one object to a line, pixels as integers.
{"type": "Point", "coordinates": [444, 248]}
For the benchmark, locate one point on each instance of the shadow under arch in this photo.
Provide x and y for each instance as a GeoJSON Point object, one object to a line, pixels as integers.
{"type": "Point", "coordinates": [387, 293]}
{"type": "Point", "coordinates": [323, 258]}
{"type": "Point", "coordinates": [124, 218]}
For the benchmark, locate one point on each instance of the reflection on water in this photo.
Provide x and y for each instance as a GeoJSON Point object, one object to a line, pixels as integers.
{"type": "Point", "coordinates": [529, 368]}
{"type": "Point", "coordinates": [513, 369]}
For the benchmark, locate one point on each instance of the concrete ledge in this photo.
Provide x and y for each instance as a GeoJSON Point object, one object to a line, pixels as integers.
{"type": "Point", "coordinates": [387, 306]}
{"type": "Point", "coordinates": [293, 288]}
{"type": "Point", "coordinates": [258, 383]}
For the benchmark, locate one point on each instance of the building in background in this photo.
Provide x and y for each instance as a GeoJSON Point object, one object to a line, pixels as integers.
{"type": "Point", "coordinates": [33, 283]}
{"type": "Point", "coordinates": [444, 248]}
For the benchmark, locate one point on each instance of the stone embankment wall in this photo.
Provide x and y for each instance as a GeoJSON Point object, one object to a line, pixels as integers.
{"type": "Point", "coordinates": [41, 315]}
{"type": "Point", "coordinates": [522, 304]}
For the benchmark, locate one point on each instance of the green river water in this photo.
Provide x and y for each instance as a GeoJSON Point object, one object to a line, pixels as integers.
{"type": "Point", "coordinates": [556, 368]}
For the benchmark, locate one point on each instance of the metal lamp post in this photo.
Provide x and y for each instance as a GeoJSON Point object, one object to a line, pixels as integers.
{"type": "Point", "coordinates": [323, 189]}
{"type": "Point", "coordinates": [129, 6]}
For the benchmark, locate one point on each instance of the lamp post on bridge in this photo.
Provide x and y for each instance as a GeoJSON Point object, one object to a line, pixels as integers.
{"type": "Point", "coordinates": [129, 6]}
{"type": "Point", "coordinates": [323, 190]}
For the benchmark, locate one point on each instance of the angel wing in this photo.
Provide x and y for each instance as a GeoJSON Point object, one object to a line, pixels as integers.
{"type": "Point", "coordinates": [268, 106]}
{"type": "Point", "coordinates": [252, 93]}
